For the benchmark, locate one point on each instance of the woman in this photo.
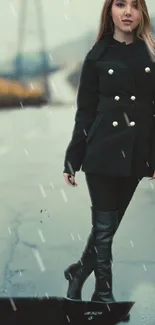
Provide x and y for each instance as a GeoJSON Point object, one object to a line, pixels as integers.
{"type": "Point", "coordinates": [114, 133]}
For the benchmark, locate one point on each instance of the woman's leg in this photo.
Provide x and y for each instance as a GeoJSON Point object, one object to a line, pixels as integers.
{"type": "Point", "coordinates": [126, 187]}
{"type": "Point", "coordinates": [110, 198]}
{"type": "Point", "coordinates": [105, 202]}
{"type": "Point", "coordinates": [78, 272]}
{"type": "Point", "coordinates": [102, 191]}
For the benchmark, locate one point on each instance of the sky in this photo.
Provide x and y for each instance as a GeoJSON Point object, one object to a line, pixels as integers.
{"type": "Point", "coordinates": [64, 20]}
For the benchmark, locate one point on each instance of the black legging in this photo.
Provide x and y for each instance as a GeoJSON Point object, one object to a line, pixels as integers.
{"type": "Point", "coordinates": [108, 193]}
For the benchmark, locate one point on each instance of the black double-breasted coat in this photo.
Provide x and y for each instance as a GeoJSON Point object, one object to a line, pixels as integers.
{"type": "Point", "coordinates": [114, 131]}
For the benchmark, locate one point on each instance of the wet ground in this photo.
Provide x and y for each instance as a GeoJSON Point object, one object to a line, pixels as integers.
{"type": "Point", "coordinates": [45, 223]}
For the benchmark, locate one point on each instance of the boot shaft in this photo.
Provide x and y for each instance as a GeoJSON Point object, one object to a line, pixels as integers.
{"type": "Point", "coordinates": [105, 224]}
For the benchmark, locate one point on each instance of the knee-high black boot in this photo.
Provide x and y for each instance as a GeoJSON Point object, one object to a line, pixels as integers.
{"type": "Point", "coordinates": [77, 273]}
{"type": "Point", "coordinates": [105, 225]}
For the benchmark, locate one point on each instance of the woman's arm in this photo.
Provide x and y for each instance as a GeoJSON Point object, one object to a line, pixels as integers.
{"type": "Point", "coordinates": [87, 99]}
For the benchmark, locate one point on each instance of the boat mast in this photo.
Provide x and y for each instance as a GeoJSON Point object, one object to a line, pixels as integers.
{"type": "Point", "coordinates": [41, 36]}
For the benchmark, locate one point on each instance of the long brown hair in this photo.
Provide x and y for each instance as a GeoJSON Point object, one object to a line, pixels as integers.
{"type": "Point", "coordinates": [143, 31]}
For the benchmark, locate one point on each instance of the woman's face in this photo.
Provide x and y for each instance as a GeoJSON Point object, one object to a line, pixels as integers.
{"type": "Point", "coordinates": [125, 15]}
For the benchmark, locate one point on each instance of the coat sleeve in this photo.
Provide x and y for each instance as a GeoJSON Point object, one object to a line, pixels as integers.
{"type": "Point", "coordinates": [87, 99]}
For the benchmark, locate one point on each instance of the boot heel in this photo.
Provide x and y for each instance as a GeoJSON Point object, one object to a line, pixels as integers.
{"type": "Point", "coordinates": [71, 270]}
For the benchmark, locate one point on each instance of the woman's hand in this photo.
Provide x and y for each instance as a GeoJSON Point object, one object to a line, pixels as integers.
{"type": "Point", "coordinates": [153, 175]}
{"type": "Point", "coordinates": [70, 179]}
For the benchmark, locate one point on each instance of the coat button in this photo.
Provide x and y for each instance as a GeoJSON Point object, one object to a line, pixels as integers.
{"type": "Point", "coordinates": [117, 98]}
{"type": "Point", "coordinates": [147, 69]}
{"type": "Point", "coordinates": [110, 71]}
{"type": "Point", "coordinates": [115, 123]}
{"type": "Point", "coordinates": [133, 97]}
{"type": "Point", "coordinates": [132, 123]}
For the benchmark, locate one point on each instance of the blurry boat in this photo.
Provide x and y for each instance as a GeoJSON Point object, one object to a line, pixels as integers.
{"type": "Point", "coordinates": [19, 93]}
{"type": "Point", "coordinates": [15, 94]}
{"type": "Point", "coordinates": [24, 81]}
